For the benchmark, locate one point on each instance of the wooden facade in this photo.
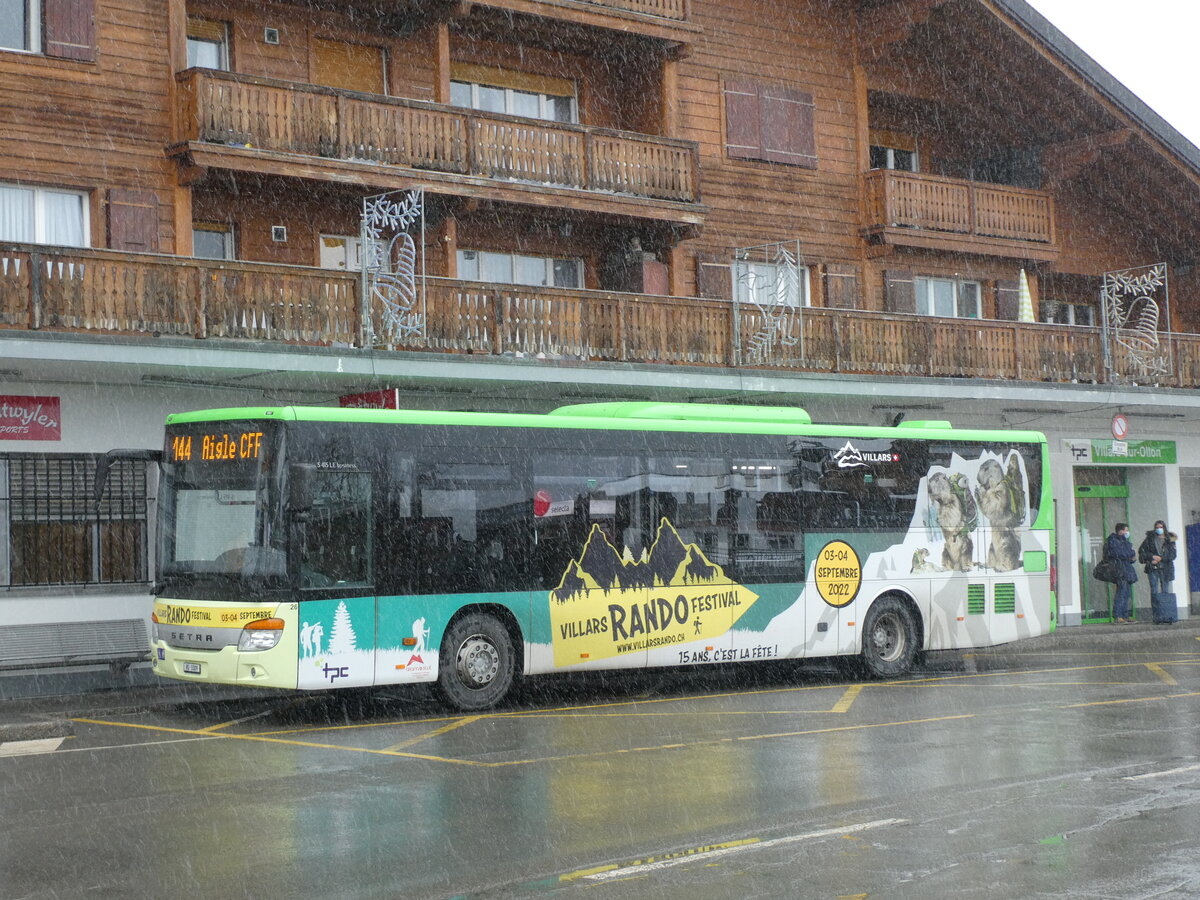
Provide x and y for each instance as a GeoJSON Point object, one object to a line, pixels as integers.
{"type": "Point", "coordinates": [894, 143]}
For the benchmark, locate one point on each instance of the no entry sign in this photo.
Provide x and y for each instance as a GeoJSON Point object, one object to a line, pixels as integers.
{"type": "Point", "coordinates": [1120, 427]}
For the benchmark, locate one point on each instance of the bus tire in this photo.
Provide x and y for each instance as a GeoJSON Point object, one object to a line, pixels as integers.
{"type": "Point", "coordinates": [889, 643]}
{"type": "Point", "coordinates": [477, 662]}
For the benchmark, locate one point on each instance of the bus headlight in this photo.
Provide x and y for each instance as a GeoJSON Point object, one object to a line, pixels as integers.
{"type": "Point", "coordinates": [261, 634]}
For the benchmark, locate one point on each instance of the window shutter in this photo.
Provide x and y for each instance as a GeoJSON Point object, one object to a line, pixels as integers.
{"type": "Point", "coordinates": [1008, 299]}
{"type": "Point", "coordinates": [714, 280]}
{"type": "Point", "coordinates": [787, 126]}
{"type": "Point", "coordinates": [742, 140]}
{"type": "Point", "coordinates": [899, 291]}
{"type": "Point", "coordinates": [132, 220]}
{"type": "Point", "coordinates": [70, 28]}
{"type": "Point", "coordinates": [841, 286]}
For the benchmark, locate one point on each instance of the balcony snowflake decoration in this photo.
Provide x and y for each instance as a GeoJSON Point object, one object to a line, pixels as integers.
{"type": "Point", "coordinates": [390, 282]}
{"type": "Point", "coordinates": [1135, 307]}
{"type": "Point", "coordinates": [768, 279]}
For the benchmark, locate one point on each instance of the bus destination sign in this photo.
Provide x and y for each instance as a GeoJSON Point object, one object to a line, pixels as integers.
{"type": "Point", "coordinates": [216, 447]}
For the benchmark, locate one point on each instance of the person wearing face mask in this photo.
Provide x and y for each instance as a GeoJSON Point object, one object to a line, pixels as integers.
{"type": "Point", "coordinates": [1117, 547]}
{"type": "Point", "coordinates": [1157, 554]}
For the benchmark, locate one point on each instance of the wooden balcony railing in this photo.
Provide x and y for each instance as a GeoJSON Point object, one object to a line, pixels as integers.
{"type": "Point", "coordinates": [266, 114]}
{"type": "Point", "coordinates": [667, 9]}
{"type": "Point", "coordinates": [910, 200]}
{"type": "Point", "coordinates": [104, 292]}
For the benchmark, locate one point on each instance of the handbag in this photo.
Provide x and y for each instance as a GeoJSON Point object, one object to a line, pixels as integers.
{"type": "Point", "coordinates": [1108, 570]}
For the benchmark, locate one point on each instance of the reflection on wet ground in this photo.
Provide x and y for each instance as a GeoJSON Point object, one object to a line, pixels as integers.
{"type": "Point", "coordinates": [1065, 768]}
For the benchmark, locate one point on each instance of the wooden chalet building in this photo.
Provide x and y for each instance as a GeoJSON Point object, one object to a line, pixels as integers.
{"type": "Point", "coordinates": [611, 190]}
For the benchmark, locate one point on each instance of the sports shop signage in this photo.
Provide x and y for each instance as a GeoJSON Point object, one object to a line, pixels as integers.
{"type": "Point", "coordinates": [30, 418]}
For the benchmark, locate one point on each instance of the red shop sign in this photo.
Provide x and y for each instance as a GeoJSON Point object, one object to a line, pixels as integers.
{"type": "Point", "coordinates": [30, 418]}
{"type": "Point", "coordinates": [388, 399]}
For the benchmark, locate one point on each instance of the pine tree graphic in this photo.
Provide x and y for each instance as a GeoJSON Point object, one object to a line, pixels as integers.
{"type": "Point", "coordinates": [341, 639]}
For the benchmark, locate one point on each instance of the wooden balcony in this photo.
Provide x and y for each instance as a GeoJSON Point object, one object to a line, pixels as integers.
{"type": "Point", "coordinates": [667, 9]}
{"type": "Point", "coordinates": [931, 212]}
{"type": "Point", "coordinates": [104, 293]}
{"type": "Point", "coordinates": [267, 126]}
{"type": "Point", "coordinates": [666, 21]}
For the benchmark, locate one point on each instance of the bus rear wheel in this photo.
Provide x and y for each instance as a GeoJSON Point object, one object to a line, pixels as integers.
{"type": "Point", "coordinates": [889, 646]}
{"type": "Point", "coordinates": [477, 662]}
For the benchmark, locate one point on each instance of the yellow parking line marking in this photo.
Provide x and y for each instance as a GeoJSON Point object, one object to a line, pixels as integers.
{"type": "Point", "coordinates": [270, 740]}
{"type": "Point", "coordinates": [848, 698]}
{"type": "Point", "coordinates": [514, 762]}
{"type": "Point", "coordinates": [436, 732]}
{"type": "Point", "coordinates": [558, 711]}
{"type": "Point", "coordinates": [1161, 673]}
{"type": "Point", "coordinates": [760, 737]}
{"type": "Point", "coordinates": [1132, 700]}
{"type": "Point", "coordinates": [221, 725]}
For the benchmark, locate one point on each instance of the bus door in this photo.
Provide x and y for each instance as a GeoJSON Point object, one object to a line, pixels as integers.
{"type": "Point", "coordinates": [1098, 507]}
{"type": "Point", "coordinates": [333, 556]}
{"type": "Point", "coordinates": [471, 524]}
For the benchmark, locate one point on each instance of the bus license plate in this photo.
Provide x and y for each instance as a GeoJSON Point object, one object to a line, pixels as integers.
{"type": "Point", "coordinates": [191, 668]}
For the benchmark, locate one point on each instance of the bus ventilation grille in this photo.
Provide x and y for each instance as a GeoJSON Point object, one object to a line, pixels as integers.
{"type": "Point", "coordinates": [976, 601]}
{"type": "Point", "coordinates": [1006, 598]}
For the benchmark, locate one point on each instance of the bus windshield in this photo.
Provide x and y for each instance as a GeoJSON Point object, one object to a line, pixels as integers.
{"type": "Point", "coordinates": [220, 511]}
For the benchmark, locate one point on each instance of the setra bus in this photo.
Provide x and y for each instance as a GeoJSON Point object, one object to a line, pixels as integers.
{"type": "Point", "coordinates": [316, 548]}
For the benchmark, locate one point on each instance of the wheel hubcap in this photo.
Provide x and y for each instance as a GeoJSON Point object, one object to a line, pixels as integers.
{"type": "Point", "coordinates": [888, 638]}
{"type": "Point", "coordinates": [478, 661]}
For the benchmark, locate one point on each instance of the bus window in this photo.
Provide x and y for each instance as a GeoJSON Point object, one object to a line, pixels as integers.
{"type": "Point", "coordinates": [574, 494]}
{"type": "Point", "coordinates": [689, 492]}
{"type": "Point", "coordinates": [333, 539]}
{"type": "Point", "coordinates": [763, 521]}
{"type": "Point", "coordinates": [472, 529]}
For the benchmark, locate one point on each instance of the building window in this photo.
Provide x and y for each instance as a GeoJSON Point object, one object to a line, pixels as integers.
{"type": "Point", "coordinates": [513, 93]}
{"type": "Point", "coordinates": [51, 532]}
{"type": "Point", "coordinates": [207, 44]}
{"type": "Point", "coordinates": [20, 25]}
{"type": "Point", "coordinates": [341, 252]}
{"type": "Point", "coordinates": [947, 297]}
{"type": "Point", "coordinates": [893, 158]}
{"type": "Point", "coordinates": [31, 215]}
{"type": "Point", "coordinates": [1069, 314]}
{"type": "Point", "coordinates": [518, 268]}
{"type": "Point", "coordinates": [513, 102]}
{"type": "Point", "coordinates": [211, 241]}
{"type": "Point", "coordinates": [770, 284]}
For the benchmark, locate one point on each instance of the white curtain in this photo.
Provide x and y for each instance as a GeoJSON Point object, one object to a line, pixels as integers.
{"type": "Point", "coordinates": [16, 214]}
{"type": "Point", "coordinates": [62, 219]}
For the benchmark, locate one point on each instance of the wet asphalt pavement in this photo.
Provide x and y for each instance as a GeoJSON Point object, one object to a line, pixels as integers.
{"type": "Point", "coordinates": [1063, 766]}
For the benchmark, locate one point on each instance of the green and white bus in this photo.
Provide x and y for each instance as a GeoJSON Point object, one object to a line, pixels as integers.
{"type": "Point", "coordinates": [310, 548]}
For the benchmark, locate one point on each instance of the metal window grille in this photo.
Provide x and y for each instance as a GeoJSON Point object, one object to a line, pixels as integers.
{"type": "Point", "coordinates": [52, 534]}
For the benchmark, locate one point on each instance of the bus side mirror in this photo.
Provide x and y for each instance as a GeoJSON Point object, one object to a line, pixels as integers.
{"type": "Point", "coordinates": [301, 477]}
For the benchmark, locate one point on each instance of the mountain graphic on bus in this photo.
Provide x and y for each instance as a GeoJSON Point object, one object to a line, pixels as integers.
{"type": "Point", "coordinates": [668, 562]}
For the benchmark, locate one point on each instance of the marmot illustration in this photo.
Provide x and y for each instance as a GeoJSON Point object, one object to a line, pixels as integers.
{"type": "Point", "coordinates": [957, 516]}
{"type": "Point", "coordinates": [1001, 497]}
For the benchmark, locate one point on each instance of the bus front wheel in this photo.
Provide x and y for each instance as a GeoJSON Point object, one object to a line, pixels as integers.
{"type": "Point", "coordinates": [477, 662]}
{"type": "Point", "coordinates": [889, 646]}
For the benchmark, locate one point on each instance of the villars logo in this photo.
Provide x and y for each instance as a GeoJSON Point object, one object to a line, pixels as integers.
{"type": "Point", "coordinates": [850, 457]}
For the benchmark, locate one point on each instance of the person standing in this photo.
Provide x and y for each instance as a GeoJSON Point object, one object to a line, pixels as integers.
{"type": "Point", "coordinates": [1157, 554]}
{"type": "Point", "coordinates": [1118, 547]}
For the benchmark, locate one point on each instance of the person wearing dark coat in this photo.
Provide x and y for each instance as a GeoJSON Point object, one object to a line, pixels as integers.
{"type": "Point", "coordinates": [1118, 547]}
{"type": "Point", "coordinates": [1157, 553]}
